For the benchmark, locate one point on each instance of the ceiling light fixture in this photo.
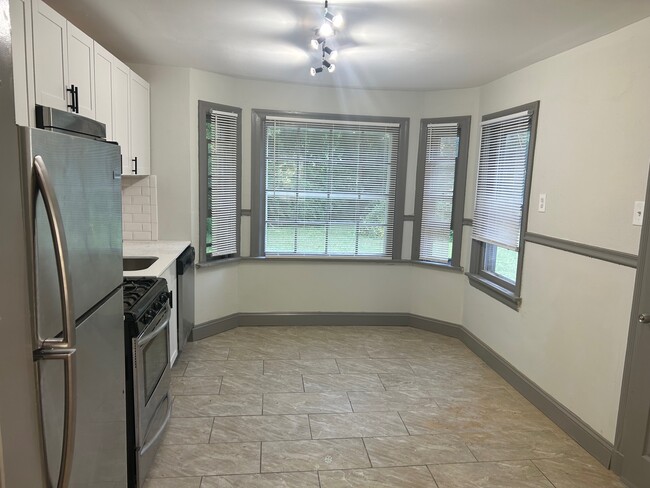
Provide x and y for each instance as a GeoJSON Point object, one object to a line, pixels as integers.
{"type": "Point", "coordinates": [323, 34]}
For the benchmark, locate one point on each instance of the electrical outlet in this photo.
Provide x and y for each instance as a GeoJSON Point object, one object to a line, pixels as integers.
{"type": "Point", "coordinates": [638, 213]}
{"type": "Point", "coordinates": [541, 206]}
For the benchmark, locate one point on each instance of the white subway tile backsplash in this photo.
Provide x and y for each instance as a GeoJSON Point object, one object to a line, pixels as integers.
{"type": "Point", "coordinates": [143, 217]}
{"type": "Point", "coordinates": [140, 200]}
{"type": "Point", "coordinates": [139, 208]}
{"type": "Point", "coordinates": [132, 227]}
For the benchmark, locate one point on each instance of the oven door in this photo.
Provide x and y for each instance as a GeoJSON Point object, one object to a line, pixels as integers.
{"type": "Point", "coordinates": [153, 376]}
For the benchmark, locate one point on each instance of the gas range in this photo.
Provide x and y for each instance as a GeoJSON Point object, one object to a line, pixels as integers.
{"type": "Point", "coordinates": [147, 312]}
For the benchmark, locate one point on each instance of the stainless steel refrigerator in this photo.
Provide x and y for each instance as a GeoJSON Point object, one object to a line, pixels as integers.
{"type": "Point", "coordinates": [62, 403]}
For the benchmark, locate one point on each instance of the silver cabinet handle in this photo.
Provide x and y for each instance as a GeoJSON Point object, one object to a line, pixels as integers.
{"type": "Point", "coordinates": [644, 318]}
{"type": "Point", "coordinates": [61, 255]}
{"type": "Point", "coordinates": [146, 339]}
{"type": "Point", "coordinates": [70, 409]}
{"type": "Point", "coordinates": [63, 348]}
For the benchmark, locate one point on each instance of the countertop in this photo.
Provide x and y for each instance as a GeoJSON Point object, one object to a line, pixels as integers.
{"type": "Point", "coordinates": [165, 251]}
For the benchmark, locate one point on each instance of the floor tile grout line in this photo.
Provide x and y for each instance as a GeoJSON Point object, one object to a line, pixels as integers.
{"type": "Point", "coordinates": [404, 423]}
{"type": "Point", "coordinates": [261, 457]}
{"type": "Point", "coordinates": [543, 473]}
{"type": "Point", "coordinates": [432, 476]}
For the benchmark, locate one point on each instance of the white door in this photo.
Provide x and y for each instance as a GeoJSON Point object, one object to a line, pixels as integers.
{"type": "Point", "coordinates": [81, 70]}
{"type": "Point", "coordinates": [50, 57]}
{"type": "Point", "coordinates": [121, 117]}
{"type": "Point", "coordinates": [140, 124]}
{"type": "Point", "coordinates": [104, 89]}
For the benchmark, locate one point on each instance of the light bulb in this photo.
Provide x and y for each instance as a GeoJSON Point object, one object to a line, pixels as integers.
{"type": "Point", "coordinates": [331, 68]}
{"type": "Point", "coordinates": [326, 30]}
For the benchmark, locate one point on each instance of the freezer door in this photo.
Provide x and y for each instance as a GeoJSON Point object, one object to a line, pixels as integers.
{"type": "Point", "coordinates": [85, 178]}
{"type": "Point", "coordinates": [99, 459]}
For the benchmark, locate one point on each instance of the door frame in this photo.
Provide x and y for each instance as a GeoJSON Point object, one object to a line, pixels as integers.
{"type": "Point", "coordinates": [618, 457]}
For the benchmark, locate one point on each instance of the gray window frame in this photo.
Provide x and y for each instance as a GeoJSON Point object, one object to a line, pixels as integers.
{"type": "Point", "coordinates": [503, 291]}
{"type": "Point", "coordinates": [204, 108]}
{"type": "Point", "coordinates": [258, 172]}
{"type": "Point", "coordinates": [460, 180]}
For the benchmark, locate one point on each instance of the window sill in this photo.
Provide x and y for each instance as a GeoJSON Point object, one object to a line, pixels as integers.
{"type": "Point", "coordinates": [218, 262]}
{"type": "Point", "coordinates": [495, 291]}
{"type": "Point", "coordinates": [438, 266]}
{"type": "Point", "coordinates": [318, 259]}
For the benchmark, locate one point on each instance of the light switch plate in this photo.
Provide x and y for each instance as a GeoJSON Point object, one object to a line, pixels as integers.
{"type": "Point", "coordinates": [638, 213]}
{"type": "Point", "coordinates": [541, 206]}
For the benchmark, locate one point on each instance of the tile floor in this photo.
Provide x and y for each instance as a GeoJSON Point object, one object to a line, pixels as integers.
{"type": "Point", "coordinates": [333, 407]}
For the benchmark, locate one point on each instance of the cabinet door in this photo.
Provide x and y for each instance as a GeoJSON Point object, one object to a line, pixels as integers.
{"type": "Point", "coordinates": [22, 54]}
{"type": "Point", "coordinates": [81, 69]}
{"type": "Point", "coordinates": [104, 89]}
{"type": "Point", "coordinates": [121, 116]}
{"type": "Point", "coordinates": [140, 125]}
{"type": "Point", "coordinates": [50, 56]}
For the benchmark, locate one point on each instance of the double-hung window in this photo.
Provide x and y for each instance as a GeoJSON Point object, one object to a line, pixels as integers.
{"type": "Point", "coordinates": [328, 186]}
{"type": "Point", "coordinates": [440, 190]}
{"type": "Point", "coordinates": [219, 165]}
{"type": "Point", "coordinates": [501, 208]}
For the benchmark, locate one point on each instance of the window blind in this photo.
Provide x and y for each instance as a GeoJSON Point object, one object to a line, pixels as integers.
{"type": "Point", "coordinates": [441, 153]}
{"type": "Point", "coordinates": [222, 161]}
{"type": "Point", "coordinates": [501, 180]}
{"type": "Point", "coordinates": [330, 187]}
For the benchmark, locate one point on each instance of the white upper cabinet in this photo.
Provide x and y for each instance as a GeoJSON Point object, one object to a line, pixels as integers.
{"type": "Point", "coordinates": [81, 71]}
{"type": "Point", "coordinates": [140, 125]}
{"type": "Point", "coordinates": [22, 54]}
{"type": "Point", "coordinates": [58, 66]}
{"type": "Point", "coordinates": [121, 112]}
{"type": "Point", "coordinates": [104, 88]}
{"type": "Point", "coordinates": [64, 63]}
{"type": "Point", "coordinates": [50, 57]}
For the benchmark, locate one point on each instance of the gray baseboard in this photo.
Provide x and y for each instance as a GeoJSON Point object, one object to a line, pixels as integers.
{"type": "Point", "coordinates": [214, 327]}
{"type": "Point", "coordinates": [583, 434]}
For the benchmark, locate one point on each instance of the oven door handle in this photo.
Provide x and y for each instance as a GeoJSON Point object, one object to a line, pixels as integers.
{"type": "Point", "coordinates": [161, 429]}
{"type": "Point", "coordinates": [147, 338]}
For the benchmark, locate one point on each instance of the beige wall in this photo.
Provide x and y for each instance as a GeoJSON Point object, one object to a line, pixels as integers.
{"type": "Point", "coordinates": [591, 161]}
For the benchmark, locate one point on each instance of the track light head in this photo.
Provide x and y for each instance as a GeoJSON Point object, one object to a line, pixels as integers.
{"type": "Point", "coordinates": [336, 20]}
{"type": "Point", "coordinates": [332, 53]}
{"type": "Point", "coordinates": [314, 71]}
{"type": "Point", "coordinates": [315, 43]}
{"type": "Point", "coordinates": [330, 66]}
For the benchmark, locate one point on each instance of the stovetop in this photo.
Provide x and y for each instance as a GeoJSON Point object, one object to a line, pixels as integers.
{"type": "Point", "coordinates": [140, 294]}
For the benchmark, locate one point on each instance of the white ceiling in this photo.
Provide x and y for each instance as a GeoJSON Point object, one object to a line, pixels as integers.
{"type": "Point", "coordinates": [398, 44]}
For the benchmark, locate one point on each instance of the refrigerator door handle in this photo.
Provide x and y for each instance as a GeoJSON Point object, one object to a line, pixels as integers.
{"type": "Point", "coordinates": [70, 417]}
{"type": "Point", "coordinates": [43, 185]}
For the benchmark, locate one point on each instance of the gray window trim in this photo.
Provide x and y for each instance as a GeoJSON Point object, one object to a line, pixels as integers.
{"type": "Point", "coordinates": [460, 180]}
{"type": "Point", "coordinates": [503, 291]}
{"type": "Point", "coordinates": [204, 108]}
{"type": "Point", "coordinates": [258, 170]}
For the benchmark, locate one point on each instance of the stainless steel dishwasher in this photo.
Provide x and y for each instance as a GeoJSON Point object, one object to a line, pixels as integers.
{"type": "Point", "coordinates": [185, 292]}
